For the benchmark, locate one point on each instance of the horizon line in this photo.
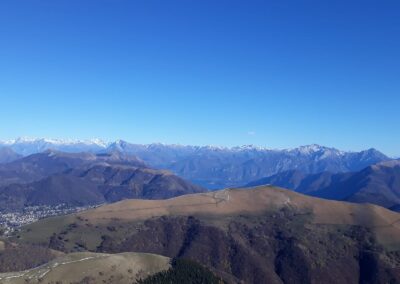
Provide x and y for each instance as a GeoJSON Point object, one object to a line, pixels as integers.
{"type": "Point", "coordinates": [105, 143]}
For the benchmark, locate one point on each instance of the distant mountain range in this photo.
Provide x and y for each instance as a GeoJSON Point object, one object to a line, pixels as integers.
{"type": "Point", "coordinates": [80, 179]}
{"type": "Point", "coordinates": [8, 155]}
{"type": "Point", "coordinates": [38, 166]}
{"type": "Point", "coordinates": [28, 146]}
{"type": "Point", "coordinates": [377, 184]}
{"type": "Point", "coordinates": [216, 167]}
{"type": "Point", "coordinates": [257, 235]}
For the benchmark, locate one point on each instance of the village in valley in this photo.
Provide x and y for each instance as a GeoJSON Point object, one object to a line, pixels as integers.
{"type": "Point", "coordinates": [12, 220]}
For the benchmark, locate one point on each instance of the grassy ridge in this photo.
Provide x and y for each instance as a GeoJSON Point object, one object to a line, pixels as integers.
{"type": "Point", "coordinates": [88, 267]}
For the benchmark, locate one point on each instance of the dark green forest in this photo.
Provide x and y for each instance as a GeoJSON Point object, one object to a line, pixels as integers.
{"type": "Point", "coordinates": [183, 271]}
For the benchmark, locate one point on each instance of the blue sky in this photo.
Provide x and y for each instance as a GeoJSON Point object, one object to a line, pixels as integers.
{"type": "Point", "coordinates": [223, 72]}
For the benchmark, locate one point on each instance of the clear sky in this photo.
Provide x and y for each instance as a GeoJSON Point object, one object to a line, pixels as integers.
{"type": "Point", "coordinates": [223, 72]}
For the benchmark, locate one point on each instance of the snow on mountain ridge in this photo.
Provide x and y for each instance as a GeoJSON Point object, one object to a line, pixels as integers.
{"type": "Point", "coordinates": [30, 140]}
{"type": "Point", "coordinates": [27, 145]}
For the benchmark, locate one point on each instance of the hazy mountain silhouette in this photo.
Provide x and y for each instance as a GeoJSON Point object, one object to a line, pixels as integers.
{"type": "Point", "coordinates": [377, 184]}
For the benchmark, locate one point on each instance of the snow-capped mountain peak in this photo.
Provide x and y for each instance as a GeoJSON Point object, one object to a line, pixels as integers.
{"type": "Point", "coordinates": [29, 140]}
{"type": "Point", "coordinates": [26, 145]}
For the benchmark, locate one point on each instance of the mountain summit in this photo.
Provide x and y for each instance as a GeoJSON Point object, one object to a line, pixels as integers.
{"type": "Point", "coordinates": [217, 167]}
{"type": "Point", "coordinates": [27, 146]}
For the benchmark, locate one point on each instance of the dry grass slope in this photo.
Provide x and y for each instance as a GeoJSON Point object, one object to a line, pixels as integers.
{"type": "Point", "coordinates": [92, 268]}
{"type": "Point", "coordinates": [384, 223]}
{"type": "Point", "coordinates": [255, 235]}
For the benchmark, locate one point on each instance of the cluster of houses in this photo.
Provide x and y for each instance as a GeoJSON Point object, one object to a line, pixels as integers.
{"type": "Point", "coordinates": [10, 221]}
